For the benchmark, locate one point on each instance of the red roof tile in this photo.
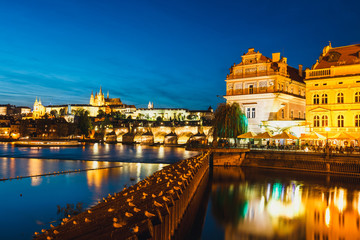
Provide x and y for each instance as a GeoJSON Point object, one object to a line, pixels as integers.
{"type": "Point", "coordinates": [346, 55]}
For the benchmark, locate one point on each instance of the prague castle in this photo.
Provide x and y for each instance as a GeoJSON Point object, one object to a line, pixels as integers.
{"type": "Point", "coordinates": [97, 102]}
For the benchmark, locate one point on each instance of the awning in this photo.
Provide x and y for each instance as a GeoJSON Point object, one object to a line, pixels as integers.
{"type": "Point", "coordinates": [247, 135]}
{"type": "Point", "coordinates": [342, 136]}
{"type": "Point", "coordinates": [284, 135]}
{"type": "Point", "coordinates": [312, 136]}
{"type": "Point", "coordinates": [264, 135]}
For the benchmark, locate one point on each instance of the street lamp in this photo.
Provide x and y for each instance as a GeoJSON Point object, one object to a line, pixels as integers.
{"type": "Point", "coordinates": [327, 129]}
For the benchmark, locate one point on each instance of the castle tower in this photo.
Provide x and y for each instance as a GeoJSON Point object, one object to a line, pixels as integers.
{"type": "Point", "coordinates": [92, 98]}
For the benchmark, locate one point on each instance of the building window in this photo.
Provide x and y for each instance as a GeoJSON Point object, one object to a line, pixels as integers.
{"type": "Point", "coordinates": [340, 119]}
{"type": "Point", "coordinates": [324, 121]}
{"type": "Point", "coordinates": [282, 113]}
{"type": "Point", "coordinates": [340, 98]}
{"type": "Point", "coordinates": [316, 99]}
{"type": "Point", "coordinates": [316, 121]}
{"type": "Point", "coordinates": [324, 99]}
{"type": "Point", "coordinates": [299, 115]}
{"type": "Point", "coordinates": [253, 113]}
{"type": "Point", "coordinates": [357, 121]}
{"type": "Point", "coordinates": [248, 112]}
{"type": "Point", "coordinates": [292, 114]}
{"type": "Point", "coordinates": [304, 115]}
{"type": "Point", "coordinates": [251, 89]}
{"type": "Point", "coordinates": [357, 97]}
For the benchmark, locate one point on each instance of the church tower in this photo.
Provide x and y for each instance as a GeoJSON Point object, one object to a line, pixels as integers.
{"type": "Point", "coordinates": [92, 98]}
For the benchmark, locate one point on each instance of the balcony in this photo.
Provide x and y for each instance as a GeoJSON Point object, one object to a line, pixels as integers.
{"type": "Point", "coordinates": [247, 91]}
{"type": "Point", "coordinates": [257, 74]}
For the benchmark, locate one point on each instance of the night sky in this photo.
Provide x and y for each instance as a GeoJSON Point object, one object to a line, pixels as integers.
{"type": "Point", "coordinates": [173, 53]}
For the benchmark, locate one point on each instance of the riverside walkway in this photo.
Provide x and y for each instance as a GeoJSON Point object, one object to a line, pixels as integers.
{"type": "Point", "coordinates": [150, 209]}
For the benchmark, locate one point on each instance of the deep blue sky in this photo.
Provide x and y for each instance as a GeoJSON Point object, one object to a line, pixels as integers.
{"type": "Point", "coordinates": [173, 53]}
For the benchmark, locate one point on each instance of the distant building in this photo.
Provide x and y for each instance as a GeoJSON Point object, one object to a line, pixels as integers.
{"type": "Point", "coordinates": [96, 103]}
{"type": "Point", "coordinates": [38, 110]}
{"type": "Point", "coordinates": [269, 91]}
{"type": "Point", "coordinates": [168, 114]}
{"type": "Point", "coordinates": [333, 91]}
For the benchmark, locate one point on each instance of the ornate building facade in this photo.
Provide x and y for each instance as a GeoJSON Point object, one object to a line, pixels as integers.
{"type": "Point", "coordinates": [333, 91]}
{"type": "Point", "coordinates": [271, 93]}
{"type": "Point", "coordinates": [38, 110]}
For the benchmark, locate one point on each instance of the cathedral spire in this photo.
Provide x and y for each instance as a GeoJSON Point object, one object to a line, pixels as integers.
{"type": "Point", "coordinates": [100, 93]}
{"type": "Point", "coordinates": [107, 94]}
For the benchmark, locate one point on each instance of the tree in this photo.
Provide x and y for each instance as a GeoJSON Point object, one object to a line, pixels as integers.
{"type": "Point", "coordinates": [83, 121]}
{"type": "Point", "coordinates": [229, 121]}
{"type": "Point", "coordinates": [62, 111]}
{"type": "Point", "coordinates": [101, 113]}
{"type": "Point", "coordinates": [53, 113]}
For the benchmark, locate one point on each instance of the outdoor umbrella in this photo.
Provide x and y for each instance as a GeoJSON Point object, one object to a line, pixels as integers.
{"type": "Point", "coordinates": [264, 135]}
{"type": "Point", "coordinates": [342, 136]}
{"type": "Point", "coordinates": [284, 135]}
{"type": "Point", "coordinates": [247, 135]}
{"type": "Point", "coordinates": [312, 136]}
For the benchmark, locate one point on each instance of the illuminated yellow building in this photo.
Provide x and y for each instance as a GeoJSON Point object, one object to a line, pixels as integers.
{"type": "Point", "coordinates": [270, 92]}
{"type": "Point", "coordinates": [333, 91]}
{"type": "Point", "coordinates": [39, 110]}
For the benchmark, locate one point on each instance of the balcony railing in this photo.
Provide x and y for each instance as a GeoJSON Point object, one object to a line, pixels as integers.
{"type": "Point", "coordinates": [257, 74]}
{"type": "Point", "coordinates": [258, 91]}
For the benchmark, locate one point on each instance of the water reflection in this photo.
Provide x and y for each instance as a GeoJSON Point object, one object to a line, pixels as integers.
{"type": "Point", "coordinates": [268, 207]}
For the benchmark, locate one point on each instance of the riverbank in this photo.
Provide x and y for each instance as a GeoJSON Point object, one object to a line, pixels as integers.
{"type": "Point", "coordinates": [304, 161]}
{"type": "Point", "coordinates": [151, 208]}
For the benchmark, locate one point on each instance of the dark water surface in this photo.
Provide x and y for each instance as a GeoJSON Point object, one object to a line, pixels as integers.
{"type": "Point", "coordinates": [265, 204]}
{"type": "Point", "coordinates": [31, 204]}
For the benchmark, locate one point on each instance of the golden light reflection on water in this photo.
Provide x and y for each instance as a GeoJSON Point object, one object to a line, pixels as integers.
{"type": "Point", "coordinates": [290, 210]}
{"type": "Point", "coordinates": [95, 179]}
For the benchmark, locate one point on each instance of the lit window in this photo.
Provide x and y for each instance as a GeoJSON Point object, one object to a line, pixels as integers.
{"type": "Point", "coordinates": [253, 113]}
{"type": "Point", "coordinates": [357, 121]}
{"type": "Point", "coordinates": [340, 119]}
{"type": "Point", "coordinates": [357, 97]}
{"type": "Point", "coordinates": [324, 99]}
{"type": "Point", "coordinates": [316, 99]}
{"type": "Point", "coordinates": [251, 89]}
{"type": "Point", "coordinates": [324, 121]}
{"type": "Point", "coordinates": [340, 98]}
{"type": "Point", "coordinates": [316, 121]}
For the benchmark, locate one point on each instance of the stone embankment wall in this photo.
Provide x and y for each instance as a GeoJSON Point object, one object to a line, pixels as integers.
{"type": "Point", "coordinates": [316, 162]}
{"type": "Point", "coordinates": [151, 209]}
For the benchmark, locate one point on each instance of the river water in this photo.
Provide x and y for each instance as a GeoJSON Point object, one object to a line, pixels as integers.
{"type": "Point", "coordinates": [250, 203]}
{"type": "Point", "coordinates": [241, 203]}
{"type": "Point", "coordinates": [28, 205]}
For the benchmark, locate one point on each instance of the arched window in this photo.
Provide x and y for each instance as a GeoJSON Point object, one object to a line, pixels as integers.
{"type": "Point", "coordinates": [340, 98]}
{"type": "Point", "coordinates": [282, 113]}
{"type": "Point", "coordinates": [316, 99]}
{"type": "Point", "coordinates": [340, 119]}
{"type": "Point", "coordinates": [357, 97]}
{"type": "Point", "coordinates": [357, 121]}
{"type": "Point", "coordinates": [324, 99]}
{"type": "Point", "coordinates": [316, 121]}
{"type": "Point", "coordinates": [324, 121]}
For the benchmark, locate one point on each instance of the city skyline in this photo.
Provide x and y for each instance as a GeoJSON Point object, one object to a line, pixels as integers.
{"type": "Point", "coordinates": [175, 55]}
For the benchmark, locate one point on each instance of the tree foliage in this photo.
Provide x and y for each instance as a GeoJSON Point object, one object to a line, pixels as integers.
{"type": "Point", "coordinates": [229, 121]}
{"type": "Point", "coordinates": [83, 121]}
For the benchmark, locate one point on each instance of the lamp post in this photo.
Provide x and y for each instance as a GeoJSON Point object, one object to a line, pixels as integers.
{"type": "Point", "coordinates": [327, 129]}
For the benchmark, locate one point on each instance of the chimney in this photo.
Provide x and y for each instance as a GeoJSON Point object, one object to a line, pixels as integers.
{"type": "Point", "coordinates": [300, 70]}
{"type": "Point", "coordinates": [276, 57]}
